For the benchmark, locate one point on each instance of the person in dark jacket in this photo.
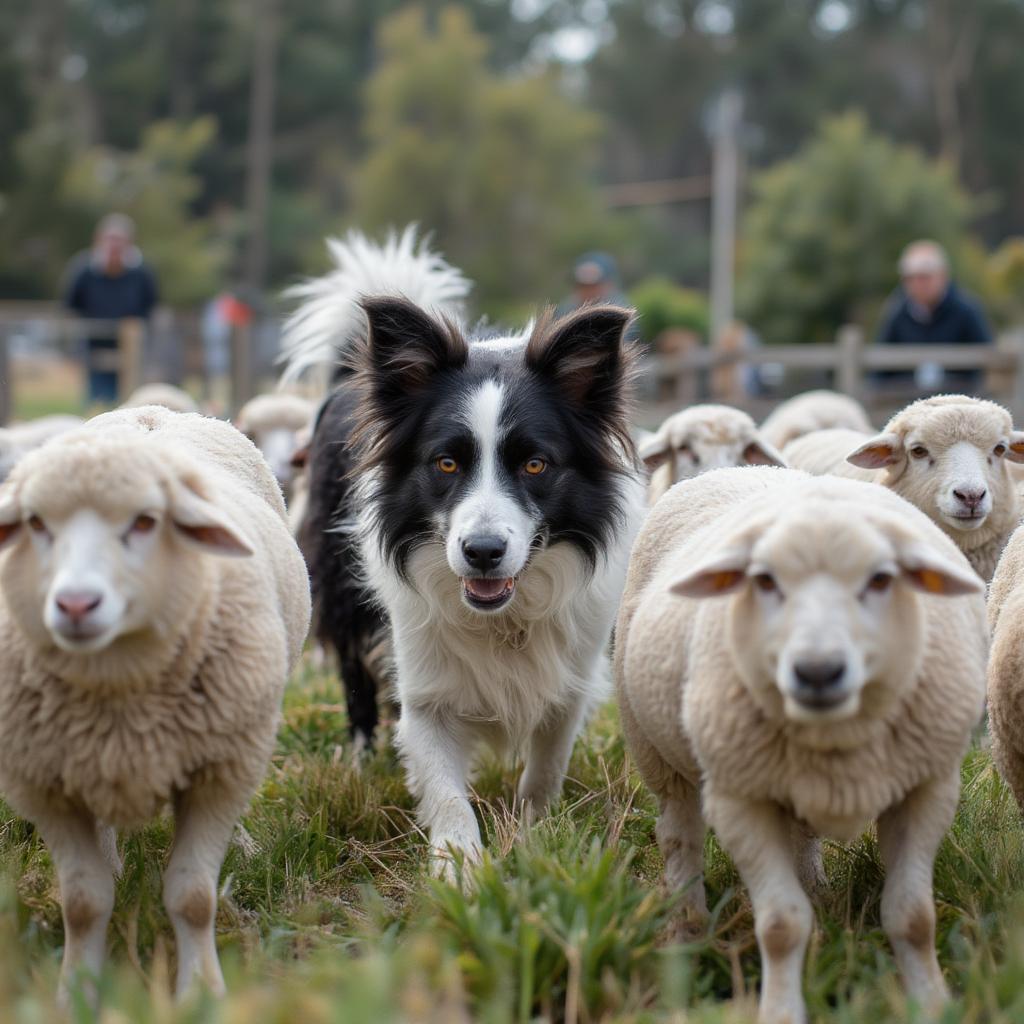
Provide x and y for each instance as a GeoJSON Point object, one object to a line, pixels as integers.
{"type": "Point", "coordinates": [109, 282]}
{"type": "Point", "coordinates": [929, 309]}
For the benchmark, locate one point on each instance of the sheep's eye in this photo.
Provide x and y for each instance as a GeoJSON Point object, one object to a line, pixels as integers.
{"type": "Point", "coordinates": [535, 466]}
{"type": "Point", "coordinates": [919, 451]}
{"type": "Point", "coordinates": [143, 524]}
{"type": "Point", "coordinates": [36, 525]}
{"type": "Point", "coordinates": [880, 582]}
{"type": "Point", "coordinates": [447, 465]}
{"type": "Point", "coordinates": [999, 450]}
{"type": "Point", "coordinates": [765, 582]}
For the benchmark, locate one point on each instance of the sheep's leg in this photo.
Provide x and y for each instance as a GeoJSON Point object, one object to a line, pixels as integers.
{"type": "Point", "coordinates": [547, 759]}
{"type": "Point", "coordinates": [808, 859]}
{"type": "Point", "coordinates": [437, 753]}
{"type": "Point", "coordinates": [758, 835]}
{"type": "Point", "coordinates": [205, 817]}
{"type": "Point", "coordinates": [86, 892]}
{"type": "Point", "coordinates": [908, 838]}
{"type": "Point", "coordinates": [680, 832]}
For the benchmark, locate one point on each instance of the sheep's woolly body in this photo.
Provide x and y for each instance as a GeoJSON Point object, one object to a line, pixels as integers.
{"type": "Point", "coordinates": [688, 713]}
{"type": "Point", "coordinates": [810, 411]}
{"type": "Point", "coordinates": [937, 422]}
{"type": "Point", "coordinates": [1006, 665]}
{"type": "Point", "coordinates": [267, 412]}
{"type": "Point", "coordinates": [120, 731]}
{"type": "Point", "coordinates": [167, 395]}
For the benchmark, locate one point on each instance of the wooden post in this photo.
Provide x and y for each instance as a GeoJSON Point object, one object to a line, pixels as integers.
{"type": "Point", "coordinates": [5, 378]}
{"type": "Point", "coordinates": [849, 364]}
{"type": "Point", "coordinates": [1015, 344]}
{"type": "Point", "coordinates": [724, 187]}
{"type": "Point", "coordinates": [241, 366]}
{"type": "Point", "coordinates": [130, 342]}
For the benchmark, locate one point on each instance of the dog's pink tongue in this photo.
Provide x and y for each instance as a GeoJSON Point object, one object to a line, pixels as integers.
{"type": "Point", "coordinates": [487, 590]}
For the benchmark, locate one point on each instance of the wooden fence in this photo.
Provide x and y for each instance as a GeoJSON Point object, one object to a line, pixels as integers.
{"type": "Point", "coordinates": [713, 374]}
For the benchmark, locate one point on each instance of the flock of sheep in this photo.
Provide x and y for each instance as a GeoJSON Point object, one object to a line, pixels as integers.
{"type": "Point", "coordinates": [823, 667]}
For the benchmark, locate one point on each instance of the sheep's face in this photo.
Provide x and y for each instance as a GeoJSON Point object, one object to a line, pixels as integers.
{"type": "Point", "coordinates": [97, 534]}
{"type": "Point", "coordinates": [951, 464]}
{"type": "Point", "coordinates": [279, 446]}
{"type": "Point", "coordinates": [691, 446]}
{"type": "Point", "coordinates": [825, 622]}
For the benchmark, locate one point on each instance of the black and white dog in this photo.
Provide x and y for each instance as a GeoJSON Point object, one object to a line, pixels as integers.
{"type": "Point", "coordinates": [496, 501]}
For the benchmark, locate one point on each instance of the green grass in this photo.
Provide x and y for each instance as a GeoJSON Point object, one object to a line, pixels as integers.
{"type": "Point", "coordinates": [327, 913]}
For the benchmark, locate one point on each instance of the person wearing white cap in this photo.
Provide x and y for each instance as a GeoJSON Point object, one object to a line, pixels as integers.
{"type": "Point", "coordinates": [929, 309]}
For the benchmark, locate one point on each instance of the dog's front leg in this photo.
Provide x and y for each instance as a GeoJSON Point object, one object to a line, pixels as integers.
{"type": "Point", "coordinates": [436, 750]}
{"type": "Point", "coordinates": [548, 758]}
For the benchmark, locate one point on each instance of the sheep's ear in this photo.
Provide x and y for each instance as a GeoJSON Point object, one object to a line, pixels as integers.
{"type": "Point", "coordinates": [200, 522]}
{"type": "Point", "coordinates": [717, 576]}
{"type": "Point", "coordinates": [1015, 449]}
{"type": "Point", "coordinates": [929, 572]}
{"type": "Point", "coordinates": [654, 451]}
{"type": "Point", "coordinates": [10, 517]}
{"type": "Point", "coordinates": [407, 345]}
{"type": "Point", "coordinates": [883, 450]}
{"type": "Point", "coordinates": [761, 453]}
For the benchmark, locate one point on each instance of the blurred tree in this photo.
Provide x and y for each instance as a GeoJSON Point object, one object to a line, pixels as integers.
{"type": "Point", "coordinates": [823, 235]}
{"type": "Point", "coordinates": [661, 304]}
{"type": "Point", "coordinates": [498, 168]}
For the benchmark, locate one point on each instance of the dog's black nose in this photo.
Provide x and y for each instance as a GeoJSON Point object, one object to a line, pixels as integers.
{"type": "Point", "coordinates": [819, 675]}
{"type": "Point", "coordinates": [484, 552]}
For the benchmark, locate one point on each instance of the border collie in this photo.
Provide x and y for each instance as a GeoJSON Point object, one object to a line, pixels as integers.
{"type": "Point", "coordinates": [498, 497]}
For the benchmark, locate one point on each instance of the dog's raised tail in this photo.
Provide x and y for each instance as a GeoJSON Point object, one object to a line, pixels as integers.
{"type": "Point", "coordinates": [328, 318]}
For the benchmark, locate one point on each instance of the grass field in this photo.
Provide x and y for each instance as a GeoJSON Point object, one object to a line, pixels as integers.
{"type": "Point", "coordinates": [327, 914]}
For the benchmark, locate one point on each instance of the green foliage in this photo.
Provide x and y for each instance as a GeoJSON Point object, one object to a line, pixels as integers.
{"type": "Point", "coordinates": [497, 167]}
{"type": "Point", "coordinates": [661, 304]}
{"type": "Point", "coordinates": [1003, 281]}
{"type": "Point", "coordinates": [822, 237]}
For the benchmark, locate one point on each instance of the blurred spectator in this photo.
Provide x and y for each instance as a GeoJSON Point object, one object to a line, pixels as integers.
{"type": "Point", "coordinates": [108, 282]}
{"type": "Point", "coordinates": [929, 309]}
{"type": "Point", "coordinates": [595, 278]}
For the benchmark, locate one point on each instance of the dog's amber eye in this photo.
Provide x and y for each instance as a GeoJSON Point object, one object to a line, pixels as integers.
{"type": "Point", "coordinates": [143, 524]}
{"type": "Point", "coordinates": [36, 525]}
{"type": "Point", "coordinates": [535, 466]}
{"type": "Point", "coordinates": [447, 465]}
{"type": "Point", "coordinates": [765, 581]}
{"type": "Point", "coordinates": [880, 582]}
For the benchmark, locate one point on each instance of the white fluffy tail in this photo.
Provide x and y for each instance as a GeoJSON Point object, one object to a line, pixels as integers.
{"type": "Point", "coordinates": [328, 319]}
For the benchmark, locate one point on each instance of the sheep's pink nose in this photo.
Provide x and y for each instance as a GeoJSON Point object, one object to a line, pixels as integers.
{"type": "Point", "coordinates": [76, 604]}
{"type": "Point", "coordinates": [972, 499]}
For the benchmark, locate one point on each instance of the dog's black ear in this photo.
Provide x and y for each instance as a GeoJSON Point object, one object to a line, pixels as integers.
{"type": "Point", "coordinates": [406, 345]}
{"type": "Point", "coordinates": [584, 353]}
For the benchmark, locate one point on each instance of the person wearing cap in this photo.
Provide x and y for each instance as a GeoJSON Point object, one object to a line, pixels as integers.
{"type": "Point", "coordinates": [109, 282]}
{"type": "Point", "coordinates": [595, 278]}
{"type": "Point", "coordinates": [929, 309]}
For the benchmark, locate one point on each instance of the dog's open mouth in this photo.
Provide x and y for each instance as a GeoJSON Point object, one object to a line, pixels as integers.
{"type": "Point", "coordinates": [488, 594]}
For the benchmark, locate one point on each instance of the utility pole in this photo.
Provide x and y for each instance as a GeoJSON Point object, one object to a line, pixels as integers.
{"type": "Point", "coordinates": [260, 150]}
{"type": "Point", "coordinates": [724, 195]}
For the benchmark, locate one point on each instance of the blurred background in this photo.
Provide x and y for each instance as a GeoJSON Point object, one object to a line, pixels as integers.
{"type": "Point", "coordinates": [747, 173]}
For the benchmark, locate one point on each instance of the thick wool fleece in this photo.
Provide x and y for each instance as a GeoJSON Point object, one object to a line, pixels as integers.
{"type": "Point", "coordinates": [1006, 665]}
{"type": "Point", "coordinates": [197, 694]}
{"type": "Point", "coordinates": [687, 712]}
{"type": "Point", "coordinates": [269, 412]}
{"type": "Point", "coordinates": [811, 411]}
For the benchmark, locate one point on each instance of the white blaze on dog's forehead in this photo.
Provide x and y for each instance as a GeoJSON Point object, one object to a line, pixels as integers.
{"type": "Point", "coordinates": [483, 417]}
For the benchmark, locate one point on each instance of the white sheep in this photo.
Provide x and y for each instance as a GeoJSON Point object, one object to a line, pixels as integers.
{"type": "Point", "coordinates": [152, 604]}
{"type": "Point", "coordinates": [18, 439]}
{"type": "Point", "coordinates": [278, 424]}
{"type": "Point", "coordinates": [810, 411]}
{"type": "Point", "coordinates": [699, 439]}
{"type": "Point", "coordinates": [949, 456]}
{"type": "Point", "coordinates": [167, 395]}
{"type": "Point", "coordinates": [1006, 666]}
{"type": "Point", "coordinates": [835, 682]}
